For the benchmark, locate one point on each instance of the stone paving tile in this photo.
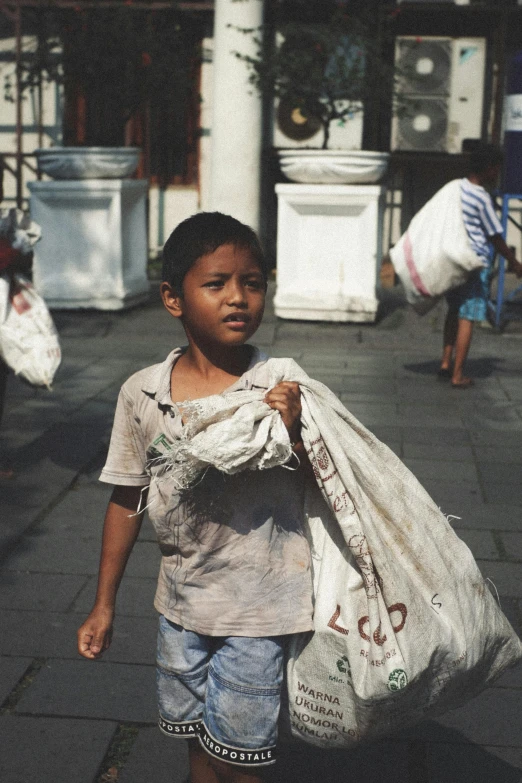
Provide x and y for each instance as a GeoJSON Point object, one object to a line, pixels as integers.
{"type": "Point", "coordinates": [512, 543]}
{"type": "Point", "coordinates": [348, 398]}
{"type": "Point", "coordinates": [450, 763]}
{"type": "Point", "coordinates": [453, 498]}
{"type": "Point", "coordinates": [436, 436]}
{"type": "Point", "coordinates": [507, 577]}
{"type": "Point", "coordinates": [45, 592]}
{"type": "Point", "coordinates": [503, 473]}
{"type": "Point", "coordinates": [380, 761]}
{"type": "Point", "coordinates": [500, 492]}
{"type": "Point", "coordinates": [135, 597]}
{"type": "Point", "coordinates": [442, 471]}
{"type": "Point", "coordinates": [15, 521]}
{"type": "Point", "coordinates": [352, 384]}
{"type": "Point", "coordinates": [156, 757]}
{"type": "Point", "coordinates": [512, 387]}
{"type": "Point", "coordinates": [489, 516]}
{"type": "Point", "coordinates": [428, 416]}
{"type": "Point", "coordinates": [480, 542]}
{"type": "Point", "coordinates": [503, 726]}
{"type": "Point", "coordinates": [50, 750]}
{"type": "Point", "coordinates": [449, 453]}
{"type": "Point", "coordinates": [11, 671]}
{"type": "Point", "coordinates": [69, 553]}
{"type": "Point", "coordinates": [373, 415]}
{"type": "Point", "coordinates": [387, 434]}
{"type": "Point", "coordinates": [500, 454]}
{"type": "Point", "coordinates": [88, 689]}
{"type": "Point", "coordinates": [481, 436]}
{"type": "Point", "coordinates": [53, 635]}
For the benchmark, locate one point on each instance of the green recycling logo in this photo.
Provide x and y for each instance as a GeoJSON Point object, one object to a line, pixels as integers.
{"type": "Point", "coordinates": [397, 680]}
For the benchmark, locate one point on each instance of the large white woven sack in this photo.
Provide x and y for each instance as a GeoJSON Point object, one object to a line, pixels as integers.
{"type": "Point", "coordinates": [435, 255]}
{"type": "Point", "coordinates": [405, 626]}
{"type": "Point", "coordinates": [28, 339]}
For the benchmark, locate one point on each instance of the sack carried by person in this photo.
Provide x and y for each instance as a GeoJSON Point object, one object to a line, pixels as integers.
{"type": "Point", "coordinates": [435, 255]}
{"type": "Point", "coordinates": [405, 627]}
{"type": "Point", "coordinates": [28, 339]}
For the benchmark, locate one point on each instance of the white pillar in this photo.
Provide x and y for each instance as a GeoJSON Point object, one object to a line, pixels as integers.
{"type": "Point", "coordinates": [236, 126]}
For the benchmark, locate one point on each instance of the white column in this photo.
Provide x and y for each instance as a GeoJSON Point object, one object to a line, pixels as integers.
{"type": "Point", "coordinates": [236, 127]}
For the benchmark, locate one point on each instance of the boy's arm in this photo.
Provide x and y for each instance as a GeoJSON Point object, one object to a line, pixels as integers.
{"type": "Point", "coordinates": [504, 250]}
{"type": "Point", "coordinates": [120, 531]}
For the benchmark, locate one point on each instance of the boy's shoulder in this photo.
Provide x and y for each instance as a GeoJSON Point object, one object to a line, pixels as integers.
{"type": "Point", "coordinates": [151, 379]}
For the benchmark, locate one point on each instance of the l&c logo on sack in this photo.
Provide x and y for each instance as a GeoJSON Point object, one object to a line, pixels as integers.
{"type": "Point", "coordinates": [363, 622]}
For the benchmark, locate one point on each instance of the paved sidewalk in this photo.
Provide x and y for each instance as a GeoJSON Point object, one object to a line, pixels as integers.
{"type": "Point", "coordinates": [67, 720]}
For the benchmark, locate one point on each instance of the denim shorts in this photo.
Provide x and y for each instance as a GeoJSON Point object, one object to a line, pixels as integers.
{"type": "Point", "coordinates": [471, 298]}
{"type": "Point", "coordinates": [223, 690]}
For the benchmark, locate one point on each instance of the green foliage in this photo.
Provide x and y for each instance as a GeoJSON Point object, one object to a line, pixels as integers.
{"type": "Point", "coordinates": [326, 64]}
{"type": "Point", "coordinates": [117, 58]}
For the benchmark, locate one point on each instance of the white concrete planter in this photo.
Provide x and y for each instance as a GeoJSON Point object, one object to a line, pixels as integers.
{"type": "Point", "coordinates": [333, 167]}
{"type": "Point", "coordinates": [328, 251]}
{"type": "Point", "coordinates": [88, 162]}
{"type": "Point", "coordinates": [93, 251]}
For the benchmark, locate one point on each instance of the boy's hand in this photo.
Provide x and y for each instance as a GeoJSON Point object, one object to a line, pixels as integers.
{"type": "Point", "coordinates": [286, 398]}
{"type": "Point", "coordinates": [95, 635]}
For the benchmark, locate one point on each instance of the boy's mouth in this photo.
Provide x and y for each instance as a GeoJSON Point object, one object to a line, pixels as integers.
{"type": "Point", "coordinates": [237, 318]}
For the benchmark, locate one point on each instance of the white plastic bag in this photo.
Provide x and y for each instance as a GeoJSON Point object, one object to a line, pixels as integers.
{"type": "Point", "coordinates": [435, 255]}
{"type": "Point", "coordinates": [28, 339]}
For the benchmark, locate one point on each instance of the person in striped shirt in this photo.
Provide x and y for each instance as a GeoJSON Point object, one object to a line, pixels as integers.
{"type": "Point", "coordinates": [468, 303]}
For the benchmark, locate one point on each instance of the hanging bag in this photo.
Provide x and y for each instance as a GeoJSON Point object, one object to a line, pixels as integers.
{"type": "Point", "coordinates": [29, 342]}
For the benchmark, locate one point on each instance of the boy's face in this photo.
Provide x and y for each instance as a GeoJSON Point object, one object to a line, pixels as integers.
{"type": "Point", "coordinates": [223, 297]}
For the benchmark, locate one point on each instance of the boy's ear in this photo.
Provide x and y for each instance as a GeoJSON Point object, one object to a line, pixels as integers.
{"type": "Point", "coordinates": [172, 300]}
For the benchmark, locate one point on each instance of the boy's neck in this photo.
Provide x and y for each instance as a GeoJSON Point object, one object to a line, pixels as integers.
{"type": "Point", "coordinates": [207, 360]}
{"type": "Point", "coordinates": [201, 373]}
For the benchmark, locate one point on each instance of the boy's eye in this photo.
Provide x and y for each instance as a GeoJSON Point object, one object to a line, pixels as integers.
{"type": "Point", "coordinates": [255, 283]}
{"type": "Point", "coordinates": [214, 284]}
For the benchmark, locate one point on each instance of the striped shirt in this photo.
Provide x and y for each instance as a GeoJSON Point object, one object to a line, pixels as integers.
{"type": "Point", "coordinates": [480, 218]}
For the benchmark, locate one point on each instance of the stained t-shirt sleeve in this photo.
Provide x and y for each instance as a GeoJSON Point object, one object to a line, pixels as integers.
{"type": "Point", "coordinates": [126, 458]}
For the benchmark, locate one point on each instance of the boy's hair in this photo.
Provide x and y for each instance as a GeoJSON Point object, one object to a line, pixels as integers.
{"type": "Point", "coordinates": [201, 234]}
{"type": "Point", "coordinates": [483, 156]}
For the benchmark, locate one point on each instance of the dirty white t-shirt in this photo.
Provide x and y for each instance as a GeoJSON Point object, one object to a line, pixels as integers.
{"type": "Point", "coordinates": [235, 559]}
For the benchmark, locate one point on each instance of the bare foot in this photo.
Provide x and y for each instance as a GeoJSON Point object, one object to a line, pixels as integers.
{"type": "Point", "coordinates": [462, 382]}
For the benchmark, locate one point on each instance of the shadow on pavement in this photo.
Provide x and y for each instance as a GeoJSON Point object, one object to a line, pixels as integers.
{"type": "Point", "coordinates": [446, 757]}
{"type": "Point", "coordinates": [482, 367]}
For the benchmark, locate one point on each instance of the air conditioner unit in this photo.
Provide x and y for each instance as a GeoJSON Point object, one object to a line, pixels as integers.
{"type": "Point", "coordinates": [441, 93]}
{"type": "Point", "coordinates": [291, 129]}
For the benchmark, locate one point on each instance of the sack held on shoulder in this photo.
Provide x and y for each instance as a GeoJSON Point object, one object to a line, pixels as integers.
{"type": "Point", "coordinates": [435, 255]}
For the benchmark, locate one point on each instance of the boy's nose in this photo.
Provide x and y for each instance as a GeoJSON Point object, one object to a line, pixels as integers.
{"type": "Point", "coordinates": [236, 294]}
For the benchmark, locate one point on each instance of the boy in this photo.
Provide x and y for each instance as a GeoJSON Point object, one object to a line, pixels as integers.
{"type": "Point", "coordinates": [468, 303]}
{"type": "Point", "coordinates": [235, 576]}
